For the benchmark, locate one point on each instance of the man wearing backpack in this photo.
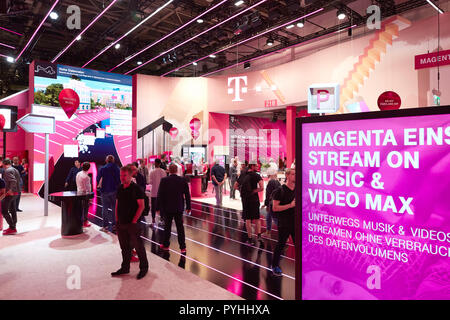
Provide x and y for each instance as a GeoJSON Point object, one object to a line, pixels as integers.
{"type": "Point", "coordinates": [284, 205]}
{"type": "Point", "coordinates": [251, 185]}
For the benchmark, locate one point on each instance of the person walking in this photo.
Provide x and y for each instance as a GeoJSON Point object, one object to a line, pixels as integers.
{"type": "Point", "coordinates": [155, 179]}
{"type": "Point", "coordinates": [2, 196]}
{"type": "Point", "coordinates": [70, 184]}
{"type": "Point", "coordinates": [252, 185]}
{"type": "Point", "coordinates": [233, 178]}
{"type": "Point", "coordinates": [12, 187]}
{"type": "Point", "coordinates": [108, 180]}
{"type": "Point", "coordinates": [173, 192]}
{"type": "Point", "coordinates": [284, 205]}
{"type": "Point", "coordinates": [16, 165]}
{"type": "Point", "coordinates": [129, 208]}
{"type": "Point", "coordinates": [218, 177]}
{"type": "Point", "coordinates": [84, 185]}
{"type": "Point", "coordinates": [272, 185]}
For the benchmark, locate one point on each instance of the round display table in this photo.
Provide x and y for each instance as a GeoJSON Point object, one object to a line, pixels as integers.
{"type": "Point", "coordinates": [196, 185]}
{"type": "Point", "coordinates": [71, 210]}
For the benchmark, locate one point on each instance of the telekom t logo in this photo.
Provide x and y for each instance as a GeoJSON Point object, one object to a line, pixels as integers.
{"type": "Point", "coordinates": [237, 87]}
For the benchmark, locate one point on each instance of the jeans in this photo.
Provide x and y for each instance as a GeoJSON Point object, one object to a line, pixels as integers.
{"type": "Point", "coordinates": [269, 218]}
{"type": "Point", "coordinates": [9, 210]}
{"type": "Point", "coordinates": [178, 217]}
{"type": "Point", "coordinates": [232, 189]}
{"type": "Point", "coordinates": [85, 208]}
{"type": "Point", "coordinates": [130, 237]}
{"type": "Point", "coordinates": [18, 200]}
{"type": "Point", "coordinates": [218, 190]}
{"type": "Point", "coordinates": [284, 231]}
{"type": "Point", "coordinates": [108, 210]}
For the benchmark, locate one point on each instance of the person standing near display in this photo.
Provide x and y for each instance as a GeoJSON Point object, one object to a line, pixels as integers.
{"type": "Point", "coordinates": [252, 185]}
{"type": "Point", "coordinates": [272, 185]}
{"type": "Point", "coordinates": [155, 179]}
{"type": "Point", "coordinates": [233, 178]}
{"type": "Point", "coordinates": [205, 177]}
{"type": "Point", "coordinates": [16, 165]}
{"type": "Point", "coordinates": [25, 174]}
{"type": "Point", "coordinates": [108, 181]}
{"type": "Point", "coordinates": [83, 182]}
{"type": "Point", "coordinates": [70, 184]}
{"type": "Point", "coordinates": [218, 177]}
{"type": "Point", "coordinates": [173, 192]}
{"type": "Point", "coordinates": [164, 162]}
{"type": "Point", "coordinates": [284, 205]}
{"type": "Point", "coordinates": [2, 195]}
{"type": "Point", "coordinates": [12, 187]}
{"type": "Point", "coordinates": [129, 208]}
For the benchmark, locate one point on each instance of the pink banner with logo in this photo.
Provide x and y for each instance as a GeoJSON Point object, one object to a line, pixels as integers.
{"type": "Point", "coordinates": [375, 207]}
{"type": "Point", "coordinates": [431, 60]}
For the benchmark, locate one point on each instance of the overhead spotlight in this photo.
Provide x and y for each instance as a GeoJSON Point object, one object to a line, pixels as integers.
{"type": "Point", "coordinates": [78, 38]}
{"type": "Point", "coordinates": [435, 7]}
{"type": "Point", "coordinates": [238, 3]}
{"type": "Point", "coordinates": [341, 15]}
{"type": "Point", "coordinates": [194, 63]}
{"type": "Point", "coordinates": [212, 56]}
{"type": "Point", "coordinates": [117, 46]}
{"type": "Point", "coordinates": [290, 26]}
{"type": "Point", "coordinates": [199, 20]}
{"type": "Point", "coordinates": [269, 42]}
{"type": "Point", "coordinates": [54, 15]}
{"type": "Point", "coordinates": [139, 63]}
{"type": "Point", "coordinates": [10, 59]}
{"type": "Point", "coordinates": [301, 23]}
{"type": "Point", "coordinates": [246, 65]}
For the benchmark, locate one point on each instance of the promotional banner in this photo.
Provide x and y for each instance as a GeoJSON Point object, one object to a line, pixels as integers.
{"type": "Point", "coordinates": [375, 206]}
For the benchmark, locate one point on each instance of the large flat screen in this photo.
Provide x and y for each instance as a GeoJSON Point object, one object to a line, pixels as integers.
{"type": "Point", "coordinates": [9, 116]}
{"type": "Point", "coordinates": [372, 190]}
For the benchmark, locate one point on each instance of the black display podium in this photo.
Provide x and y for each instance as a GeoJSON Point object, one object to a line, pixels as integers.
{"type": "Point", "coordinates": [71, 210]}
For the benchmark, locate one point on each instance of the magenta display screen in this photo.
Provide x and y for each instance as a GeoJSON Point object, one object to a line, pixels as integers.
{"type": "Point", "coordinates": [375, 206]}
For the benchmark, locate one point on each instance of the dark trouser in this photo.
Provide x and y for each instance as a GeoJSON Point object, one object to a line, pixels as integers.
{"type": "Point", "coordinates": [269, 218]}
{"type": "Point", "coordinates": [109, 210]}
{"type": "Point", "coordinates": [18, 200]}
{"type": "Point", "coordinates": [232, 190]}
{"type": "Point", "coordinates": [204, 184]}
{"type": "Point", "coordinates": [284, 231]}
{"type": "Point", "coordinates": [178, 217]}
{"type": "Point", "coordinates": [153, 208]}
{"type": "Point", "coordinates": [9, 210]}
{"type": "Point", "coordinates": [130, 237]}
{"type": "Point", "coordinates": [85, 208]}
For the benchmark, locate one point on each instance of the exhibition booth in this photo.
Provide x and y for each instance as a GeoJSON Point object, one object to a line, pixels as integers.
{"type": "Point", "coordinates": [205, 119]}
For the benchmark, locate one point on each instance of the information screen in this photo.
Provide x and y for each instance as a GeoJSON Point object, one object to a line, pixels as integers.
{"type": "Point", "coordinates": [374, 205]}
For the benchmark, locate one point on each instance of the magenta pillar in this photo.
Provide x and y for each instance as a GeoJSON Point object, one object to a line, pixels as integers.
{"type": "Point", "coordinates": [291, 114]}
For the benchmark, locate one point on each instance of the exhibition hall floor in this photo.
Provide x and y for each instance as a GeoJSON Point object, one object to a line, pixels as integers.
{"type": "Point", "coordinates": [38, 264]}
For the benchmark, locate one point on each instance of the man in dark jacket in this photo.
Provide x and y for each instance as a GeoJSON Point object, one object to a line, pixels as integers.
{"type": "Point", "coordinates": [108, 181]}
{"type": "Point", "coordinates": [12, 181]}
{"type": "Point", "coordinates": [70, 184]}
{"type": "Point", "coordinates": [172, 193]}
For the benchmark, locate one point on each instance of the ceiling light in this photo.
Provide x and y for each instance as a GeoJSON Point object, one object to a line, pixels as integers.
{"type": "Point", "coordinates": [10, 59]}
{"type": "Point", "coordinates": [341, 14]}
{"type": "Point", "coordinates": [238, 3]}
{"type": "Point", "coordinates": [79, 38]}
{"type": "Point", "coordinates": [269, 42]}
{"type": "Point", "coordinates": [247, 65]}
{"type": "Point", "coordinates": [194, 63]}
{"type": "Point", "coordinates": [435, 7]}
{"type": "Point", "coordinates": [212, 56]}
{"type": "Point", "coordinates": [290, 26]}
{"type": "Point", "coordinates": [139, 63]}
{"type": "Point", "coordinates": [117, 46]}
{"type": "Point", "coordinates": [301, 23]}
{"type": "Point", "coordinates": [199, 20]}
{"type": "Point", "coordinates": [54, 15]}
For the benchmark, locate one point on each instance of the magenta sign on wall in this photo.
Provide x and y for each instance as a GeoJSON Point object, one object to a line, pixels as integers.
{"type": "Point", "coordinates": [375, 206]}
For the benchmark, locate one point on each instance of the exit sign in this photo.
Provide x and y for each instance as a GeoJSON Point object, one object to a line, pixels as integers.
{"type": "Point", "coordinates": [270, 103]}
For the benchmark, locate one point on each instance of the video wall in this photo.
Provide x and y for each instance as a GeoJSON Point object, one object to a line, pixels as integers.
{"type": "Point", "coordinates": [254, 138]}
{"type": "Point", "coordinates": [375, 207]}
{"type": "Point", "coordinates": [101, 125]}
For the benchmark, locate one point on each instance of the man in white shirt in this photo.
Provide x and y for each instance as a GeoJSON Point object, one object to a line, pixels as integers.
{"type": "Point", "coordinates": [84, 185]}
{"type": "Point", "coordinates": [155, 178]}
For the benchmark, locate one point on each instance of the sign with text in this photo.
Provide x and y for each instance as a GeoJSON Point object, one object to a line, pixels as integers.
{"type": "Point", "coordinates": [389, 100]}
{"type": "Point", "coordinates": [32, 123]}
{"type": "Point", "coordinates": [372, 192]}
{"type": "Point", "coordinates": [323, 98]}
{"type": "Point", "coordinates": [431, 60]}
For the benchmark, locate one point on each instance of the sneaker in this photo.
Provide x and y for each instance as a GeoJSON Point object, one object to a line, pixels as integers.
{"type": "Point", "coordinates": [162, 247]}
{"type": "Point", "coordinates": [119, 272]}
{"type": "Point", "coordinates": [86, 224]}
{"type": "Point", "coordinates": [104, 230]}
{"type": "Point", "coordinates": [141, 274]}
{"type": "Point", "coordinates": [9, 231]}
{"type": "Point", "coordinates": [183, 251]}
{"type": "Point", "coordinates": [19, 210]}
{"type": "Point", "coordinates": [134, 259]}
{"type": "Point", "coordinates": [277, 271]}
